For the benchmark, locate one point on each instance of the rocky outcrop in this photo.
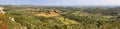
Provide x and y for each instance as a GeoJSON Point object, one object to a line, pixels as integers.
{"type": "Point", "coordinates": [1, 10]}
{"type": "Point", "coordinates": [12, 19]}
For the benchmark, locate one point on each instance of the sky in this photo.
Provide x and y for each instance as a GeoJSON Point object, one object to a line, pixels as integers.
{"type": "Point", "coordinates": [59, 2]}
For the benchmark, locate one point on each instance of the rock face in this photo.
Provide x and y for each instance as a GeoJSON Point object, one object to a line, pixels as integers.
{"type": "Point", "coordinates": [1, 10]}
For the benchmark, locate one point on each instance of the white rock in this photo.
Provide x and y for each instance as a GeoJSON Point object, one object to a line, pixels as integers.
{"type": "Point", "coordinates": [11, 18]}
{"type": "Point", "coordinates": [1, 10]}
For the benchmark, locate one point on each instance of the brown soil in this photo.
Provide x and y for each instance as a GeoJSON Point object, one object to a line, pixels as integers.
{"type": "Point", "coordinates": [2, 24]}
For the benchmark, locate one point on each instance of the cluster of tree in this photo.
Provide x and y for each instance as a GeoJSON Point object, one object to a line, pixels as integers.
{"type": "Point", "coordinates": [104, 11]}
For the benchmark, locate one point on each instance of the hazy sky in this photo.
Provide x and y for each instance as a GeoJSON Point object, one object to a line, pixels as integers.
{"type": "Point", "coordinates": [60, 2]}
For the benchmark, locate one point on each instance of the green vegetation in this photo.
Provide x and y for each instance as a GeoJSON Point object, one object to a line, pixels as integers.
{"type": "Point", "coordinates": [69, 17]}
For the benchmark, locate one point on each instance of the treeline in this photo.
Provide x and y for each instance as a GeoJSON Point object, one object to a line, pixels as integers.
{"type": "Point", "coordinates": [104, 11]}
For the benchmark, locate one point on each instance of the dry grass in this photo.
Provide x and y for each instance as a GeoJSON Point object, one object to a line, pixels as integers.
{"type": "Point", "coordinates": [52, 14]}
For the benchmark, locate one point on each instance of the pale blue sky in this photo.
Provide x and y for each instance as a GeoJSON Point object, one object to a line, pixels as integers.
{"type": "Point", "coordinates": [60, 2]}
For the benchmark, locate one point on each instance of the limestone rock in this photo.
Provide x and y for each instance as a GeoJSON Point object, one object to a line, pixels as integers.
{"type": "Point", "coordinates": [1, 10]}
